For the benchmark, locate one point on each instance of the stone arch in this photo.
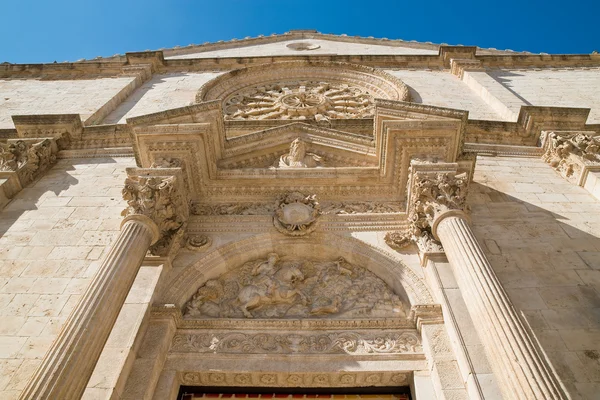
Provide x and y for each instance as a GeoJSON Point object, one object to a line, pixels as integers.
{"type": "Point", "coordinates": [405, 283]}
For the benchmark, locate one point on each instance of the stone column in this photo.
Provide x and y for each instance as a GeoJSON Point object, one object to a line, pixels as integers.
{"type": "Point", "coordinates": [437, 201]}
{"type": "Point", "coordinates": [154, 219]}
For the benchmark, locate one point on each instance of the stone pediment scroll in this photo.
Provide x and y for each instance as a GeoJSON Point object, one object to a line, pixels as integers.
{"type": "Point", "coordinates": [295, 288]}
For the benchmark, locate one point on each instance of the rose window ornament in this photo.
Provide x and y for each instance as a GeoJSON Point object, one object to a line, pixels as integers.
{"type": "Point", "coordinates": [303, 100]}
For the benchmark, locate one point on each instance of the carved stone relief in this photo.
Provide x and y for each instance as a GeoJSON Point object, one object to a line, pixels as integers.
{"type": "Point", "coordinates": [158, 198]}
{"type": "Point", "coordinates": [351, 343]}
{"type": "Point", "coordinates": [296, 214]}
{"type": "Point", "coordinates": [298, 157]}
{"type": "Point", "coordinates": [327, 208]}
{"type": "Point", "coordinates": [198, 242]}
{"type": "Point", "coordinates": [297, 288]}
{"type": "Point", "coordinates": [301, 100]}
{"type": "Point", "coordinates": [27, 159]}
{"type": "Point", "coordinates": [569, 152]}
{"type": "Point", "coordinates": [430, 195]}
{"type": "Point", "coordinates": [303, 379]}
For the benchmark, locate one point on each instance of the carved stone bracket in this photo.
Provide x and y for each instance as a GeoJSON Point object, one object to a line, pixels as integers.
{"type": "Point", "coordinates": [159, 195]}
{"type": "Point", "coordinates": [572, 153]}
{"type": "Point", "coordinates": [433, 190]}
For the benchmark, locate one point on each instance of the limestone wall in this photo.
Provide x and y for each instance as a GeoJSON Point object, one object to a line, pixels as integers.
{"type": "Point", "coordinates": [35, 96]}
{"type": "Point", "coordinates": [542, 236]}
{"type": "Point", "coordinates": [440, 88]}
{"type": "Point", "coordinates": [573, 87]}
{"type": "Point", "coordinates": [162, 92]}
{"type": "Point", "coordinates": [53, 236]}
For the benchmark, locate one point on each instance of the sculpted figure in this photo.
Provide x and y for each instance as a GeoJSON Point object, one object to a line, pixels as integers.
{"type": "Point", "coordinates": [270, 285]}
{"type": "Point", "coordinates": [298, 157]}
{"type": "Point", "coordinates": [299, 288]}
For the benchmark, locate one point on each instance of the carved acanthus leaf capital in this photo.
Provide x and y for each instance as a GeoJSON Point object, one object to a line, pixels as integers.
{"type": "Point", "coordinates": [432, 194]}
{"type": "Point", "coordinates": [164, 201]}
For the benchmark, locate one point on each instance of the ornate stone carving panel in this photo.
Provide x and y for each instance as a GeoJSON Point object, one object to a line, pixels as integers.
{"type": "Point", "coordinates": [302, 100]}
{"type": "Point", "coordinates": [572, 153]}
{"type": "Point", "coordinates": [300, 379]}
{"type": "Point", "coordinates": [295, 288]}
{"type": "Point", "coordinates": [342, 342]}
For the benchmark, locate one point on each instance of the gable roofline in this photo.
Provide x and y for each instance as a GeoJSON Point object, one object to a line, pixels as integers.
{"type": "Point", "coordinates": [305, 34]}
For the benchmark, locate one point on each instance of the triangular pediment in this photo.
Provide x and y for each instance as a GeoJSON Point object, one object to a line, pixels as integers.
{"type": "Point", "coordinates": [331, 161]}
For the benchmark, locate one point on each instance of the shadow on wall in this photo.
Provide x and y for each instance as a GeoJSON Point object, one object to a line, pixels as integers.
{"type": "Point", "coordinates": [133, 100]}
{"type": "Point", "coordinates": [502, 77]}
{"type": "Point", "coordinates": [48, 196]}
{"type": "Point", "coordinates": [549, 263]}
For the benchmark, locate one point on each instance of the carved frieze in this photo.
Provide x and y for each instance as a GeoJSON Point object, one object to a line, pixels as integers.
{"type": "Point", "coordinates": [295, 288]}
{"type": "Point", "coordinates": [570, 152]}
{"type": "Point", "coordinates": [296, 379]}
{"type": "Point", "coordinates": [327, 208]}
{"type": "Point", "coordinates": [161, 199]}
{"type": "Point", "coordinates": [296, 214]}
{"type": "Point", "coordinates": [344, 342]}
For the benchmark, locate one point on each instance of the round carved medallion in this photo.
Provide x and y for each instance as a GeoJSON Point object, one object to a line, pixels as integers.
{"type": "Point", "coordinates": [296, 214]}
{"type": "Point", "coordinates": [302, 90]}
{"type": "Point", "coordinates": [300, 100]}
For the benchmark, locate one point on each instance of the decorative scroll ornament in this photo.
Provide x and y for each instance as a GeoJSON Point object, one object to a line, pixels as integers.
{"type": "Point", "coordinates": [296, 214]}
{"type": "Point", "coordinates": [158, 198]}
{"type": "Point", "coordinates": [298, 157]}
{"type": "Point", "coordinates": [273, 288]}
{"type": "Point", "coordinates": [28, 160]}
{"type": "Point", "coordinates": [351, 343]}
{"type": "Point", "coordinates": [431, 194]}
{"type": "Point", "coordinates": [569, 152]}
{"type": "Point", "coordinates": [303, 100]}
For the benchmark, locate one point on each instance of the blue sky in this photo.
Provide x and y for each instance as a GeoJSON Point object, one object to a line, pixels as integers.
{"type": "Point", "coordinates": [61, 30]}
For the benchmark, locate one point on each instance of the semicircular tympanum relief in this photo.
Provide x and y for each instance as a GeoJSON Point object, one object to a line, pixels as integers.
{"type": "Point", "coordinates": [295, 288]}
{"type": "Point", "coordinates": [302, 90]}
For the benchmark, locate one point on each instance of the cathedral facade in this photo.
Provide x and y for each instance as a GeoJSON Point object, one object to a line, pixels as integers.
{"type": "Point", "coordinates": [301, 214]}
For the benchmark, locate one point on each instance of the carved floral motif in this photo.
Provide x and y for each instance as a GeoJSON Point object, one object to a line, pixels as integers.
{"type": "Point", "coordinates": [303, 100]}
{"type": "Point", "coordinates": [273, 288]}
{"type": "Point", "coordinates": [298, 157]}
{"type": "Point", "coordinates": [157, 197]}
{"type": "Point", "coordinates": [198, 242]}
{"type": "Point", "coordinates": [296, 214]}
{"type": "Point", "coordinates": [567, 152]}
{"type": "Point", "coordinates": [352, 343]}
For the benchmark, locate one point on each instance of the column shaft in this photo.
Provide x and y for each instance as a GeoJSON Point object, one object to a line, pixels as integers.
{"type": "Point", "coordinates": [522, 372]}
{"type": "Point", "coordinates": [68, 365]}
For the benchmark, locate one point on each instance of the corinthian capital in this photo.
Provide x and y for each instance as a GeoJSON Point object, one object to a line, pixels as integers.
{"type": "Point", "coordinates": [162, 199]}
{"type": "Point", "coordinates": [431, 195]}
